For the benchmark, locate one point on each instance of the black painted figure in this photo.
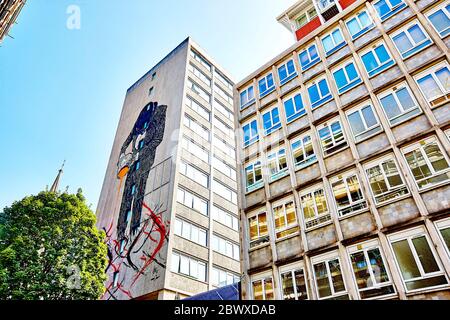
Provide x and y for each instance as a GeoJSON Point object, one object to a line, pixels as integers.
{"type": "Point", "coordinates": [145, 137]}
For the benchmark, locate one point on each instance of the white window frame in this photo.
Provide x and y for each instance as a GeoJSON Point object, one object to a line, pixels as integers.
{"type": "Point", "coordinates": [222, 93]}
{"type": "Point", "coordinates": [319, 219]}
{"type": "Point", "coordinates": [364, 248]}
{"type": "Point", "coordinates": [316, 84]}
{"type": "Point", "coordinates": [377, 59]}
{"type": "Point", "coordinates": [223, 80]}
{"type": "Point", "coordinates": [228, 274]}
{"type": "Point", "coordinates": [263, 278]}
{"type": "Point", "coordinates": [291, 268]}
{"type": "Point", "coordinates": [310, 160]}
{"type": "Point", "coordinates": [224, 188]}
{"type": "Point", "coordinates": [196, 127]}
{"type": "Point", "coordinates": [196, 106]}
{"type": "Point", "coordinates": [199, 58]}
{"type": "Point", "coordinates": [378, 163]}
{"type": "Point", "coordinates": [404, 30]}
{"type": "Point", "coordinates": [249, 101]}
{"type": "Point", "coordinates": [275, 126]}
{"type": "Point", "coordinates": [200, 75]}
{"type": "Point", "coordinates": [190, 261]}
{"type": "Point", "coordinates": [440, 225]}
{"type": "Point", "coordinates": [269, 89]}
{"type": "Point", "coordinates": [191, 226]}
{"type": "Point", "coordinates": [352, 83]}
{"type": "Point", "coordinates": [265, 238]}
{"type": "Point", "coordinates": [358, 20]}
{"type": "Point", "coordinates": [358, 109]}
{"type": "Point", "coordinates": [344, 176]}
{"type": "Point", "coordinates": [409, 235]}
{"type": "Point", "coordinates": [235, 248]}
{"type": "Point", "coordinates": [311, 61]}
{"type": "Point", "coordinates": [194, 197]}
{"type": "Point", "coordinates": [420, 145]}
{"type": "Point", "coordinates": [328, 124]}
{"type": "Point", "coordinates": [326, 258]}
{"type": "Point", "coordinates": [393, 8]}
{"type": "Point", "coordinates": [289, 76]}
{"type": "Point", "coordinates": [227, 113]}
{"type": "Point", "coordinates": [392, 91]}
{"type": "Point", "coordinates": [224, 147]}
{"type": "Point", "coordinates": [188, 145]}
{"type": "Point", "coordinates": [434, 10]}
{"type": "Point", "coordinates": [193, 173]}
{"type": "Point", "coordinates": [283, 203]}
{"type": "Point", "coordinates": [275, 155]}
{"type": "Point", "coordinates": [299, 112]}
{"type": "Point", "coordinates": [432, 71]}
{"type": "Point", "coordinates": [197, 89]}
{"type": "Point", "coordinates": [224, 168]}
{"type": "Point", "coordinates": [222, 126]}
{"type": "Point", "coordinates": [306, 13]}
{"type": "Point", "coordinates": [257, 184]}
{"type": "Point", "coordinates": [337, 46]}
{"type": "Point", "coordinates": [222, 216]}
{"type": "Point", "coordinates": [256, 134]}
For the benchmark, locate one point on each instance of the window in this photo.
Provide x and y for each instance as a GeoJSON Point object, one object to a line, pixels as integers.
{"type": "Point", "coordinates": [444, 232]}
{"type": "Point", "coordinates": [263, 289]}
{"type": "Point", "coordinates": [150, 91]}
{"type": "Point", "coordinates": [128, 218]}
{"type": "Point", "coordinates": [293, 284]}
{"type": "Point", "coordinates": [302, 151]}
{"type": "Point", "coordinates": [435, 83]}
{"type": "Point", "coordinates": [194, 174]}
{"type": "Point", "coordinates": [332, 137]}
{"type": "Point", "coordinates": [254, 178]}
{"type": "Point", "coordinates": [416, 259]}
{"type": "Point", "coordinates": [192, 201]}
{"type": "Point", "coordinates": [293, 107]}
{"type": "Point", "coordinates": [346, 77]}
{"type": "Point", "coordinates": [333, 41]}
{"type": "Point", "coordinates": [250, 133]}
{"type": "Point", "coordinates": [359, 24]}
{"type": "Point", "coordinates": [324, 5]}
{"type": "Point", "coordinates": [348, 194]}
{"type": "Point", "coordinates": [385, 180]}
{"type": "Point", "coordinates": [122, 245]}
{"type": "Point", "coordinates": [258, 230]}
{"type": "Point", "coordinates": [223, 110]}
{"type": "Point", "coordinates": [221, 278]}
{"type": "Point", "coordinates": [224, 80]}
{"type": "Point", "coordinates": [202, 111]}
{"type": "Point", "coordinates": [224, 168]}
{"type": "Point", "coordinates": [440, 19]}
{"type": "Point", "coordinates": [115, 279]}
{"type": "Point", "coordinates": [199, 90]}
{"type": "Point", "coordinates": [247, 97]}
{"type": "Point", "coordinates": [287, 71]}
{"type": "Point", "coordinates": [225, 247]}
{"type": "Point", "coordinates": [266, 85]}
{"type": "Point", "coordinates": [285, 219]}
{"type": "Point", "coordinates": [428, 163]}
{"type": "Point", "coordinates": [196, 127]}
{"type": "Point", "coordinates": [271, 121]}
{"type": "Point", "coordinates": [141, 144]}
{"type": "Point", "coordinates": [223, 94]}
{"type": "Point", "coordinates": [153, 76]}
{"type": "Point", "coordinates": [226, 129]}
{"type": "Point", "coordinates": [305, 17]}
{"type": "Point", "coordinates": [133, 189]}
{"type": "Point", "coordinates": [277, 164]}
{"type": "Point", "coordinates": [376, 59]}
{"type": "Point", "coordinates": [314, 206]}
{"type": "Point", "coordinates": [328, 277]}
{"type": "Point", "coordinates": [224, 147]}
{"type": "Point", "coordinates": [399, 104]}
{"type": "Point", "coordinates": [319, 93]}
{"type": "Point", "coordinates": [195, 149]}
{"type": "Point", "coordinates": [188, 266]}
{"type": "Point", "coordinates": [200, 59]}
{"type": "Point", "coordinates": [225, 218]}
{"type": "Point", "coordinates": [224, 191]}
{"type": "Point", "coordinates": [200, 75]}
{"type": "Point", "coordinates": [387, 8]}
{"type": "Point", "coordinates": [363, 122]}
{"type": "Point", "coordinates": [411, 39]}
{"type": "Point", "coordinates": [309, 57]}
{"type": "Point", "coordinates": [190, 232]}
{"type": "Point", "coordinates": [369, 268]}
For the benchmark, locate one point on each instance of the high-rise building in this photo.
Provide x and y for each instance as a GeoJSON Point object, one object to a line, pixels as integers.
{"type": "Point", "coordinates": [169, 198]}
{"type": "Point", "coordinates": [9, 10]}
{"type": "Point", "coordinates": [344, 152]}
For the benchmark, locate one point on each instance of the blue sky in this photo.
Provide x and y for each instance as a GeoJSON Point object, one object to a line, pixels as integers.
{"type": "Point", "coordinates": [61, 90]}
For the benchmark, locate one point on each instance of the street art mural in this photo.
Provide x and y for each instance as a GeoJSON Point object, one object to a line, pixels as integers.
{"type": "Point", "coordinates": [135, 241]}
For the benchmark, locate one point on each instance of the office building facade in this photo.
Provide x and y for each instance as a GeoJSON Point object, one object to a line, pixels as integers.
{"type": "Point", "coordinates": [344, 155]}
{"type": "Point", "coordinates": [169, 199]}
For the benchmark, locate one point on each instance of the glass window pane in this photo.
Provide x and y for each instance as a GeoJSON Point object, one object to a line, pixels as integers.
{"type": "Point", "coordinates": [390, 106]}
{"type": "Point", "coordinates": [361, 270]}
{"type": "Point", "coordinates": [443, 76]}
{"type": "Point", "coordinates": [418, 165]}
{"type": "Point", "coordinates": [268, 286]}
{"type": "Point", "coordinates": [369, 116]}
{"type": "Point", "coordinates": [336, 276]}
{"type": "Point", "coordinates": [440, 20]}
{"type": "Point", "coordinates": [436, 157]}
{"type": "Point", "coordinates": [429, 87]}
{"type": "Point", "coordinates": [258, 290]}
{"type": "Point", "coordinates": [416, 33]}
{"type": "Point", "coordinates": [323, 284]}
{"type": "Point", "coordinates": [426, 257]}
{"type": "Point", "coordinates": [405, 260]}
{"type": "Point", "coordinates": [405, 99]}
{"type": "Point", "coordinates": [353, 26]}
{"type": "Point", "coordinates": [351, 71]}
{"type": "Point", "coordinates": [376, 180]}
{"type": "Point", "coordinates": [378, 267]}
{"type": "Point", "coordinates": [288, 286]}
{"type": "Point", "coordinates": [300, 283]}
{"type": "Point", "coordinates": [369, 61]}
{"type": "Point", "coordinates": [356, 123]}
{"type": "Point", "coordinates": [341, 79]}
{"type": "Point", "coordinates": [446, 236]}
{"type": "Point", "coordinates": [340, 194]}
{"type": "Point", "coordinates": [323, 86]}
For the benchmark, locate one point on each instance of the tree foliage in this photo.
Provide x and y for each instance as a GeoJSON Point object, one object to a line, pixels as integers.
{"type": "Point", "coordinates": [51, 249]}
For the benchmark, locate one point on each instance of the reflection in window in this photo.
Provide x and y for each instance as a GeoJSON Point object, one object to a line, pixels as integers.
{"type": "Point", "coordinates": [294, 285]}
{"type": "Point", "coordinates": [329, 280]}
{"type": "Point", "coordinates": [285, 219]}
{"type": "Point", "coordinates": [332, 137]}
{"type": "Point", "coordinates": [314, 206]}
{"type": "Point", "coordinates": [348, 195]}
{"type": "Point", "coordinates": [399, 104]}
{"type": "Point", "coordinates": [263, 289]}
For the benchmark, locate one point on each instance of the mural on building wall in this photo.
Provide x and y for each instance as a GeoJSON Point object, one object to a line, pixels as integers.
{"type": "Point", "coordinates": [141, 232]}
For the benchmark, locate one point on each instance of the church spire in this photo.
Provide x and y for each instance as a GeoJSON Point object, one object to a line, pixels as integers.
{"type": "Point", "coordinates": [55, 184]}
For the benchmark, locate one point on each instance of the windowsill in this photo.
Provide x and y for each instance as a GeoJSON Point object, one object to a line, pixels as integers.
{"type": "Point", "coordinates": [393, 11]}
{"type": "Point", "coordinates": [189, 277]}
{"type": "Point", "coordinates": [296, 116]}
{"type": "Point", "coordinates": [351, 86]}
{"type": "Point", "coordinates": [292, 235]}
{"type": "Point", "coordinates": [383, 68]}
{"type": "Point", "coordinates": [407, 119]}
{"type": "Point", "coordinates": [267, 92]}
{"type": "Point", "coordinates": [383, 297]}
{"type": "Point", "coordinates": [310, 65]}
{"type": "Point", "coordinates": [190, 241]}
{"type": "Point", "coordinates": [424, 45]}
{"type": "Point", "coordinates": [280, 175]}
{"type": "Point", "coordinates": [345, 147]}
{"type": "Point", "coordinates": [272, 130]}
{"type": "Point", "coordinates": [335, 49]}
{"type": "Point", "coordinates": [260, 246]}
{"type": "Point", "coordinates": [427, 290]}
{"type": "Point", "coordinates": [288, 79]}
{"type": "Point", "coordinates": [298, 168]}
{"type": "Point", "coordinates": [203, 215]}
{"type": "Point", "coordinates": [446, 96]}
{"type": "Point", "coordinates": [320, 225]}
{"type": "Point", "coordinates": [362, 32]}
{"type": "Point", "coordinates": [226, 225]}
{"type": "Point", "coordinates": [224, 255]}
{"type": "Point", "coordinates": [356, 213]}
{"type": "Point", "coordinates": [247, 104]}
{"type": "Point", "coordinates": [391, 201]}
{"type": "Point", "coordinates": [255, 189]}
{"type": "Point", "coordinates": [224, 199]}
{"type": "Point", "coordinates": [370, 135]}
{"type": "Point", "coordinates": [248, 145]}
{"type": "Point", "coordinates": [323, 101]}
{"type": "Point", "coordinates": [438, 185]}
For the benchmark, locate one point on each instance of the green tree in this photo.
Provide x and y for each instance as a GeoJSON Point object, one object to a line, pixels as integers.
{"type": "Point", "coordinates": [51, 249]}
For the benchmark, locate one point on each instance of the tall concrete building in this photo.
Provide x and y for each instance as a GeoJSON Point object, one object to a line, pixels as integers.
{"type": "Point", "coordinates": [9, 10]}
{"type": "Point", "coordinates": [344, 149]}
{"type": "Point", "coordinates": [169, 198]}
